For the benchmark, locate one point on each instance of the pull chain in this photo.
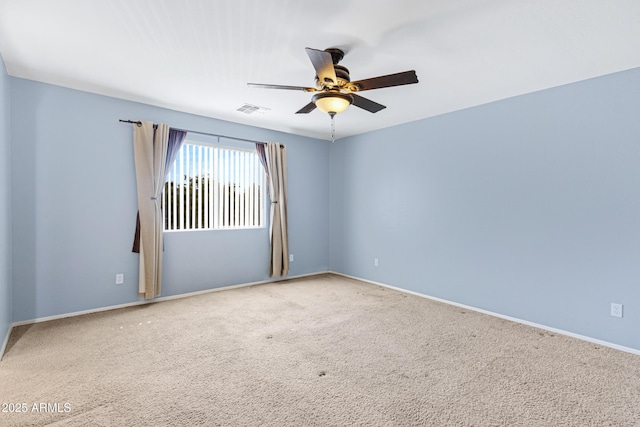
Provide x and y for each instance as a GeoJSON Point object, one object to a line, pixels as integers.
{"type": "Point", "coordinates": [333, 126]}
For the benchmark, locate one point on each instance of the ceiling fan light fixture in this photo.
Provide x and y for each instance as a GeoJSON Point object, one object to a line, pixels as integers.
{"type": "Point", "coordinates": [332, 102]}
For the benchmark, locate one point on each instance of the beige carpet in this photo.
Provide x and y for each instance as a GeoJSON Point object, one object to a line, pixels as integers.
{"type": "Point", "coordinates": [319, 351]}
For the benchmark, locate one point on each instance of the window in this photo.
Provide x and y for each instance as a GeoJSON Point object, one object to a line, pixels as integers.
{"type": "Point", "coordinates": [211, 188]}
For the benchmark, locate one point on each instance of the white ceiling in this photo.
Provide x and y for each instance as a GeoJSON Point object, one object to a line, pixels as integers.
{"type": "Point", "coordinates": [197, 55]}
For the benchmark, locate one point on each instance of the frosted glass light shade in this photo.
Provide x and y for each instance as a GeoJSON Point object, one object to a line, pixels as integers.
{"type": "Point", "coordinates": [329, 102]}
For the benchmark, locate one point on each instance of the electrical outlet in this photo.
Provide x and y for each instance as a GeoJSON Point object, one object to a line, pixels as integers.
{"type": "Point", "coordinates": [375, 262]}
{"type": "Point", "coordinates": [616, 310]}
{"type": "Point", "coordinates": [119, 279]}
{"type": "Point", "coordinates": [290, 257]}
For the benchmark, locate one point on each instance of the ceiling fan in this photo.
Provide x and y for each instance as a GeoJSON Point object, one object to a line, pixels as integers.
{"type": "Point", "coordinates": [334, 90]}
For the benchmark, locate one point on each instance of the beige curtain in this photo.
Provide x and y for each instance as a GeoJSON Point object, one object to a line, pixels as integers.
{"type": "Point", "coordinates": [150, 152]}
{"type": "Point", "coordinates": [274, 156]}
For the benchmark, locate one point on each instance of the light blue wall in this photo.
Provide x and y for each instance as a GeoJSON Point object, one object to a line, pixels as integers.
{"type": "Point", "coordinates": [528, 207]}
{"type": "Point", "coordinates": [74, 206]}
{"type": "Point", "coordinates": [6, 313]}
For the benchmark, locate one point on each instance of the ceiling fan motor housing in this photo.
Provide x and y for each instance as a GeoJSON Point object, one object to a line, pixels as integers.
{"type": "Point", "coordinates": [342, 74]}
{"type": "Point", "coordinates": [342, 77]}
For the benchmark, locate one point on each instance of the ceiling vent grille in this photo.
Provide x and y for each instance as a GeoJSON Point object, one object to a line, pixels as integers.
{"type": "Point", "coordinates": [250, 109]}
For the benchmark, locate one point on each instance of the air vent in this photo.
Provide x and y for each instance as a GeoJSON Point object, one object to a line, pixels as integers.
{"type": "Point", "coordinates": [250, 109]}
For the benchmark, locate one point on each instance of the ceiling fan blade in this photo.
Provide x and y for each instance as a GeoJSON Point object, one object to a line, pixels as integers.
{"type": "Point", "coordinates": [266, 86]}
{"type": "Point", "coordinates": [367, 104]}
{"type": "Point", "coordinates": [397, 79]}
{"type": "Point", "coordinates": [323, 63]}
{"type": "Point", "coordinates": [307, 108]}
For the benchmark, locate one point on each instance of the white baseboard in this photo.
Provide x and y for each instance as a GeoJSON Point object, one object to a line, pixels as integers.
{"type": "Point", "coordinates": [501, 316]}
{"type": "Point", "coordinates": [153, 301]}
{"type": "Point", "coordinates": [5, 342]}
{"type": "Point", "coordinates": [206, 291]}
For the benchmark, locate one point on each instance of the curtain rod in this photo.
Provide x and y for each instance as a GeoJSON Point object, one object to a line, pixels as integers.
{"type": "Point", "coordinates": [139, 123]}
